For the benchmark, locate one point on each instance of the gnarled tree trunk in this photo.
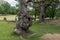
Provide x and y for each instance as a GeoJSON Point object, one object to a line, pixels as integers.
{"type": "Point", "coordinates": [24, 21]}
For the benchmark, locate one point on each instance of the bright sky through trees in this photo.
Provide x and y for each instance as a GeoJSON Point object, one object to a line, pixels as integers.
{"type": "Point", "coordinates": [12, 2]}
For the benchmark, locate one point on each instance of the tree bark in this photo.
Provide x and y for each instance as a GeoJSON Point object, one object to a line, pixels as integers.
{"type": "Point", "coordinates": [24, 21]}
{"type": "Point", "coordinates": [42, 12]}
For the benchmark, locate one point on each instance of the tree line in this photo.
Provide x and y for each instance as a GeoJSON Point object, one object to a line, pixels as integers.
{"type": "Point", "coordinates": [6, 8]}
{"type": "Point", "coordinates": [49, 9]}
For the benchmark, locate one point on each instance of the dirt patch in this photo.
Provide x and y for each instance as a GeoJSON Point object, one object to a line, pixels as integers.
{"type": "Point", "coordinates": [56, 22]}
{"type": "Point", "coordinates": [50, 37]}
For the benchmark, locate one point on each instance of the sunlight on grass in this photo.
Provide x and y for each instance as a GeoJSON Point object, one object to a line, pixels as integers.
{"type": "Point", "coordinates": [9, 17]}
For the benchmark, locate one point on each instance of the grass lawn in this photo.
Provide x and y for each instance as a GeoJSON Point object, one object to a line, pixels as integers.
{"type": "Point", "coordinates": [6, 30]}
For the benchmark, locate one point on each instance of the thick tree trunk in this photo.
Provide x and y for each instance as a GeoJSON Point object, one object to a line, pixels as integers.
{"type": "Point", "coordinates": [24, 21]}
{"type": "Point", "coordinates": [42, 12]}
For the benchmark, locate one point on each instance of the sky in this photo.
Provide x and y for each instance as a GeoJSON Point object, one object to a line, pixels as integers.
{"type": "Point", "coordinates": [12, 2]}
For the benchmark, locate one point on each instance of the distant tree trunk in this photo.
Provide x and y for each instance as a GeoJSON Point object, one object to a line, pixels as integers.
{"type": "Point", "coordinates": [42, 12]}
{"type": "Point", "coordinates": [24, 21]}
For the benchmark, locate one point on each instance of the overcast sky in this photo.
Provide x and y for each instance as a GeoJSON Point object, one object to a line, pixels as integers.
{"type": "Point", "coordinates": [12, 2]}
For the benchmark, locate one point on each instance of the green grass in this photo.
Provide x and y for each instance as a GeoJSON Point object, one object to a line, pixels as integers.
{"type": "Point", "coordinates": [6, 30]}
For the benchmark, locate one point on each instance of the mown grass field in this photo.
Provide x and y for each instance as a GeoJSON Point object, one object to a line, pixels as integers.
{"type": "Point", "coordinates": [6, 30]}
{"type": "Point", "coordinates": [8, 17]}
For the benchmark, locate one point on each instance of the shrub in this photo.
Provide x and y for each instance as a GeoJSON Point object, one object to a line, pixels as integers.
{"type": "Point", "coordinates": [5, 18]}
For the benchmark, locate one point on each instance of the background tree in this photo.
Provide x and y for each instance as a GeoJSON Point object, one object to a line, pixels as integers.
{"type": "Point", "coordinates": [8, 9]}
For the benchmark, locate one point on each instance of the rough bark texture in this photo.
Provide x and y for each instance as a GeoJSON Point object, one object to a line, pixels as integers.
{"type": "Point", "coordinates": [24, 21]}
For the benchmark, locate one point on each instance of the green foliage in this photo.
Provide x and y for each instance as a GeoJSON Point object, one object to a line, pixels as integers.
{"type": "Point", "coordinates": [13, 10]}
{"type": "Point", "coordinates": [33, 12]}
{"type": "Point", "coordinates": [1, 9]}
{"type": "Point", "coordinates": [50, 12]}
{"type": "Point", "coordinates": [6, 8]}
{"type": "Point", "coordinates": [58, 13]}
